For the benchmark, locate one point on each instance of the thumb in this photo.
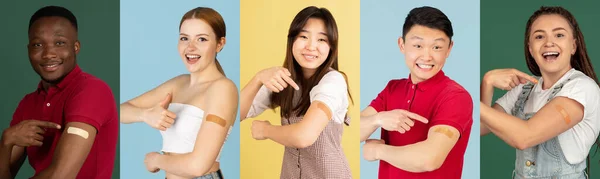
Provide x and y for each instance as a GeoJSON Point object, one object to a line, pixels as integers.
{"type": "Point", "coordinates": [165, 102]}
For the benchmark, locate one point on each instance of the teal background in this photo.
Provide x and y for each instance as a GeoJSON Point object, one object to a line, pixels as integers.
{"type": "Point", "coordinates": [381, 61]}
{"type": "Point", "coordinates": [502, 34]}
{"type": "Point", "coordinates": [99, 36]}
{"type": "Point", "coordinates": [149, 57]}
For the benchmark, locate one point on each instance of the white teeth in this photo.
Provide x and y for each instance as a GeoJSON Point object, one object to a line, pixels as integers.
{"type": "Point", "coordinates": [549, 53]}
{"type": "Point", "coordinates": [50, 66]}
{"type": "Point", "coordinates": [192, 56]}
{"type": "Point", "coordinates": [425, 66]}
{"type": "Point", "coordinates": [310, 56]}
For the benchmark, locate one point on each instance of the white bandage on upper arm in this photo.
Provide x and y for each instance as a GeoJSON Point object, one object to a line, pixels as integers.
{"type": "Point", "coordinates": [78, 131]}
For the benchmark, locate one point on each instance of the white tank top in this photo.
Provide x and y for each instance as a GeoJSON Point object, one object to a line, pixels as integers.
{"type": "Point", "coordinates": [180, 138]}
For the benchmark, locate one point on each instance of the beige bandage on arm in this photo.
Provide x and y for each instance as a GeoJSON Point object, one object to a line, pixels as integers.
{"type": "Point", "coordinates": [324, 108]}
{"type": "Point", "coordinates": [445, 131]}
{"type": "Point", "coordinates": [78, 131]}
{"type": "Point", "coordinates": [216, 119]}
{"type": "Point", "coordinates": [564, 114]}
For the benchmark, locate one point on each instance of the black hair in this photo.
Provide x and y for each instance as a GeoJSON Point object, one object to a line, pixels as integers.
{"type": "Point", "coordinates": [429, 17]}
{"type": "Point", "coordinates": [54, 11]}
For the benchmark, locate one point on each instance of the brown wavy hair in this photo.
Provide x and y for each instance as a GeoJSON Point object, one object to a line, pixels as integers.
{"type": "Point", "coordinates": [213, 19]}
{"type": "Point", "coordinates": [285, 98]}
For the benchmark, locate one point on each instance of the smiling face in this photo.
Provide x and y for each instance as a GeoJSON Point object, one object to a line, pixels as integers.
{"type": "Point", "coordinates": [551, 43]}
{"type": "Point", "coordinates": [52, 48]}
{"type": "Point", "coordinates": [311, 47]}
{"type": "Point", "coordinates": [425, 51]}
{"type": "Point", "coordinates": [198, 44]}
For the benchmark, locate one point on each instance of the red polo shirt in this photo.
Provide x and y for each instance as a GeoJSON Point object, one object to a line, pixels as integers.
{"type": "Point", "coordinates": [79, 97]}
{"type": "Point", "coordinates": [443, 102]}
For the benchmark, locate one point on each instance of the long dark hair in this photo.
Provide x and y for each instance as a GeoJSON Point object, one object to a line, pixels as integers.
{"type": "Point", "coordinates": [285, 98]}
{"type": "Point", "coordinates": [213, 19]}
{"type": "Point", "coordinates": [580, 60]}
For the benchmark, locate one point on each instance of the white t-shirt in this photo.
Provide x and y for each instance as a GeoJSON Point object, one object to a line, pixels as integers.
{"type": "Point", "coordinates": [331, 90]}
{"type": "Point", "coordinates": [577, 141]}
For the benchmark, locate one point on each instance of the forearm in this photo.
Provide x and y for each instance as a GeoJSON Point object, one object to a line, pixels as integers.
{"type": "Point", "coordinates": [5, 153]}
{"type": "Point", "coordinates": [130, 113]}
{"type": "Point", "coordinates": [487, 92]}
{"type": "Point", "coordinates": [293, 135]}
{"type": "Point", "coordinates": [247, 96]}
{"type": "Point", "coordinates": [483, 129]}
{"type": "Point", "coordinates": [416, 157]}
{"type": "Point", "coordinates": [510, 129]}
{"type": "Point", "coordinates": [185, 165]}
{"type": "Point", "coordinates": [368, 125]}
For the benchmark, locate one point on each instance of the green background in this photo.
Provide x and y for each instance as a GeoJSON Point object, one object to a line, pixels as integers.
{"type": "Point", "coordinates": [98, 23]}
{"type": "Point", "coordinates": [502, 35]}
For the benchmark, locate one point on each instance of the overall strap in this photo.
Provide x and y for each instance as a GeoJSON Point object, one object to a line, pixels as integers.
{"type": "Point", "coordinates": [523, 96]}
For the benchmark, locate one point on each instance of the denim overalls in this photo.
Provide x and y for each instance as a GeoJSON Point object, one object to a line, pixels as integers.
{"type": "Point", "coordinates": [545, 160]}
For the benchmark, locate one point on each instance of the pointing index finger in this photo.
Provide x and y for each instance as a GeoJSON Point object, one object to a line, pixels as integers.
{"type": "Point", "coordinates": [525, 76]}
{"type": "Point", "coordinates": [290, 81]}
{"type": "Point", "coordinates": [46, 124]}
{"type": "Point", "coordinates": [415, 117]}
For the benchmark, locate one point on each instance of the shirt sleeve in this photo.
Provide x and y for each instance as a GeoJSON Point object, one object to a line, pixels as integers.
{"type": "Point", "coordinates": [582, 90]}
{"type": "Point", "coordinates": [379, 102]}
{"type": "Point", "coordinates": [92, 103]}
{"type": "Point", "coordinates": [260, 103]}
{"type": "Point", "coordinates": [578, 140]}
{"type": "Point", "coordinates": [332, 90]}
{"type": "Point", "coordinates": [456, 110]}
{"type": "Point", "coordinates": [508, 100]}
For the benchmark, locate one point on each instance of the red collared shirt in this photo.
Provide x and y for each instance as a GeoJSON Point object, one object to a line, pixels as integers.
{"type": "Point", "coordinates": [79, 97]}
{"type": "Point", "coordinates": [443, 102]}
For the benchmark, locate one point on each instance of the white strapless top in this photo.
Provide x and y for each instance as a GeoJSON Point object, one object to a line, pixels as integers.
{"type": "Point", "coordinates": [181, 136]}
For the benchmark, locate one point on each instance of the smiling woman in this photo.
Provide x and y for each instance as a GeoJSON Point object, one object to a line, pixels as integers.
{"type": "Point", "coordinates": [181, 94]}
{"type": "Point", "coordinates": [552, 122]}
{"type": "Point", "coordinates": [313, 97]}
{"type": "Point", "coordinates": [181, 107]}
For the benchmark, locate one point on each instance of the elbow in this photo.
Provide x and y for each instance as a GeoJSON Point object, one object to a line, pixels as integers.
{"type": "Point", "coordinates": [432, 163]}
{"type": "Point", "coordinates": [198, 169]}
{"type": "Point", "coordinates": [521, 144]}
{"type": "Point", "coordinates": [521, 141]}
{"type": "Point", "coordinates": [305, 141]}
{"type": "Point", "coordinates": [199, 164]}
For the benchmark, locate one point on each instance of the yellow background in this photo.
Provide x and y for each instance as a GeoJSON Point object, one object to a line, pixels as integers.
{"type": "Point", "coordinates": [263, 30]}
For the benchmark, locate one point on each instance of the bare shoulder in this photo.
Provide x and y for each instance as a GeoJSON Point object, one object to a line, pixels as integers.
{"type": "Point", "coordinates": [220, 91]}
{"type": "Point", "coordinates": [223, 87]}
{"type": "Point", "coordinates": [222, 98]}
{"type": "Point", "coordinates": [180, 79]}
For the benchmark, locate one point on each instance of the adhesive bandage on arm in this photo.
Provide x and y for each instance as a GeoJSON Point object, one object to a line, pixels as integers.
{"type": "Point", "coordinates": [78, 131]}
{"type": "Point", "coordinates": [445, 131]}
{"type": "Point", "coordinates": [325, 109]}
{"type": "Point", "coordinates": [216, 119]}
{"type": "Point", "coordinates": [564, 114]}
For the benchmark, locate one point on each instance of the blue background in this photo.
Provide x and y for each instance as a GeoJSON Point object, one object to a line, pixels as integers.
{"type": "Point", "coordinates": [149, 57]}
{"type": "Point", "coordinates": [381, 60]}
